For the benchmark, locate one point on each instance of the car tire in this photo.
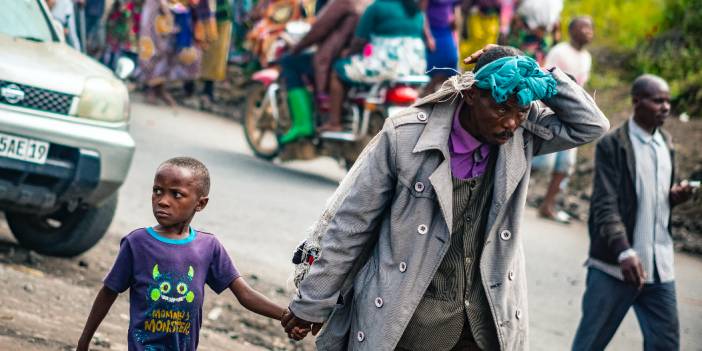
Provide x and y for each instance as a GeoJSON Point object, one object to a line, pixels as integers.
{"type": "Point", "coordinates": [63, 233]}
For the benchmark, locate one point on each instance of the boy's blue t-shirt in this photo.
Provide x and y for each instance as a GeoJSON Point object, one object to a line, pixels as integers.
{"type": "Point", "coordinates": [166, 279]}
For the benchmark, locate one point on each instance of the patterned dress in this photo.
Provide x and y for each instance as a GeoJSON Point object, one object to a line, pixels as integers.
{"type": "Point", "coordinates": [168, 40]}
{"type": "Point", "coordinates": [394, 48]}
{"type": "Point", "coordinates": [214, 61]}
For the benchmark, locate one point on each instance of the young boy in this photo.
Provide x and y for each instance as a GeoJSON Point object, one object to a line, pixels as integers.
{"type": "Point", "coordinates": [167, 266]}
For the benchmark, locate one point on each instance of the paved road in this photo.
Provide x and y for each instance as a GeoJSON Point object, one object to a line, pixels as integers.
{"type": "Point", "coordinates": [260, 211]}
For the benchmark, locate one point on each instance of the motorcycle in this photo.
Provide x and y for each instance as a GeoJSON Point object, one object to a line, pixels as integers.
{"type": "Point", "coordinates": [267, 116]}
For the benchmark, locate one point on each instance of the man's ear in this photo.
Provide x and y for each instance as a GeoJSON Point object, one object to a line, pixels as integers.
{"type": "Point", "coordinates": [470, 95]}
{"type": "Point", "coordinates": [635, 100]}
{"type": "Point", "coordinates": [202, 203]}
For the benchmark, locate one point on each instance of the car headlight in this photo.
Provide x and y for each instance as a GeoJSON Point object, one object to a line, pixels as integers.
{"type": "Point", "coordinates": [104, 100]}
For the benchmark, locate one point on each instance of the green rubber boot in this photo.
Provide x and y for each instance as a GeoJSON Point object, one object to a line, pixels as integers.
{"type": "Point", "coordinates": [300, 102]}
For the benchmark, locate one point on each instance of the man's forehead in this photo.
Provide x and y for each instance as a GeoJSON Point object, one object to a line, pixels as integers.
{"type": "Point", "coordinates": [511, 102]}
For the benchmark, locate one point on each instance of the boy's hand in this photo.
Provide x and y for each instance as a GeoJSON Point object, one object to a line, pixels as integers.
{"type": "Point", "coordinates": [298, 328]}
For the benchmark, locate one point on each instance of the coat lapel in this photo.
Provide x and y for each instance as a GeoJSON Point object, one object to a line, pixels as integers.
{"type": "Point", "coordinates": [435, 137]}
{"type": "Point", "coordinates": [625, 143]}
{"type": "Point", "coordinates": [509, 171]}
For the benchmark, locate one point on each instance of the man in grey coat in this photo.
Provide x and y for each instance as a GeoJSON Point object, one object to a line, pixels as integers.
{"type": "Point", "coordinates": [420, 246]}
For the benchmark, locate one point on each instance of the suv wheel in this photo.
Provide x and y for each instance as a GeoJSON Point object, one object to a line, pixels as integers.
{"type": "Point", "coordinates": [63, 233]}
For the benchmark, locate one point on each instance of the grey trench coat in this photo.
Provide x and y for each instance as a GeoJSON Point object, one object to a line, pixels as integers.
{"type": "Point", "coordinates": [394, 223]}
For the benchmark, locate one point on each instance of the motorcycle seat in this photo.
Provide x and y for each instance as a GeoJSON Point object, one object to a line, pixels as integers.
{"type": "Point", "coordinates": [412, 80]}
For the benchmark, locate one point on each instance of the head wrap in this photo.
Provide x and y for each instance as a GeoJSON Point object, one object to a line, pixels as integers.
{"type": "Point", "coordinates": [519, 75]}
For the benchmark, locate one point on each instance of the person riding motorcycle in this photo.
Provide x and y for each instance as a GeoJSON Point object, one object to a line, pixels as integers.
{"type": "Point", "coordinates": [331, 32]}
{"type": "Point", "coordinates": [388, 44]}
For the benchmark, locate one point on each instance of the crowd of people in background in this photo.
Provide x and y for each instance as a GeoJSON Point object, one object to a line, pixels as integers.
{"type": "Point", "coordinates": [184, 42]}
{"type": "Point", "coordinates": [188, 40]}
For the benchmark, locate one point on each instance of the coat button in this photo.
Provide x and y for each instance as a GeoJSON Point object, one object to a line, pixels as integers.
{"type": "Point", "coordinates": [510, 275]}
{"type": "Point", "coordinates": [360, 336]}
{"type": "Point", "coordinates": [518, 314]}
{"type": "Point", "coordinates": [506, 235]}
{"type": "Point", "coordinates": [419, 187]}
{"type": "Point", "coordinates": [422, 116]}
{"type": "Point", "coordinates": [422, 229]}
{"type": "Point", "coordinates": [378, 302]}
{"type": "Point", "coordinates": [403, 267]}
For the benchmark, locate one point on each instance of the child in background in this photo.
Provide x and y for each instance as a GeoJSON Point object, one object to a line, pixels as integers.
{"type": "Point", "coordinates": [167, 266]}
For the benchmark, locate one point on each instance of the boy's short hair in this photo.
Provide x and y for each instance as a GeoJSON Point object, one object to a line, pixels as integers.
{"type": "Point", "coordinates": [200, 172]}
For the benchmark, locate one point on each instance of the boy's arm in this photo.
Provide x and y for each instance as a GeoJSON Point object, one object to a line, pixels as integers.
{"type": "Point", "coordinates": [254, 301]}
{"type": "Point", "coordinates": [103, 301]}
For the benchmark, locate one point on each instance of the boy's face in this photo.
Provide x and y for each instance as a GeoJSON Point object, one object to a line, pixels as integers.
{"type": "Point", "coordinates": [176, 195]}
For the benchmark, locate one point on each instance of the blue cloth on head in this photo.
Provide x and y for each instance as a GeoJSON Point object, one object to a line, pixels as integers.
{"type": "Point", "coordinates": [519, 75]}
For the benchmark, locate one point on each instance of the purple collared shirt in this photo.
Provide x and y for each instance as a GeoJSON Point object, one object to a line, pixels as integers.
{"type": "Point", "coordinates": [469, 157]}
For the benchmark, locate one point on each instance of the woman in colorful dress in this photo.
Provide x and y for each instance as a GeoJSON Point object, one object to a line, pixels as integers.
{"type": "Point", "coordinates": [171, 35]}
{"type": "Point", "coordinates": [388, 44]}
{"type": "Point", "coordinates": [442, 48]}
{"type": "Point", "coordinates": [214, 59]}
{"type": "Point", "coordinates": [122, 31]}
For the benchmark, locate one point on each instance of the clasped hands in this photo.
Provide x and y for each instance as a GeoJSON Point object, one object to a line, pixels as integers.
{"type": "Point", "coordinates": [298, 328]}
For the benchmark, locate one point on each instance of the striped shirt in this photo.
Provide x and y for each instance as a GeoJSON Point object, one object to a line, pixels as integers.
{"type": "Point", "coordinates": [652, 241]}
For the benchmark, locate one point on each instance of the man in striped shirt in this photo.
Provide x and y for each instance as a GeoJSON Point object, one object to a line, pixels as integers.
{"type": "Point", "coordinates": [631, 249]}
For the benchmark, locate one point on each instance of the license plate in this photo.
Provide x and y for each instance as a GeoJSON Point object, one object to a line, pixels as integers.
{"type": "Point", "coordinates": [24, 149]}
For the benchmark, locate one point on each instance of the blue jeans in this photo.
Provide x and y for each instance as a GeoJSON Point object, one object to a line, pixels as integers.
{"type": "Point", "coordinates": [295, 68]}
{"type": "Point", "coordinates": [606, 302]}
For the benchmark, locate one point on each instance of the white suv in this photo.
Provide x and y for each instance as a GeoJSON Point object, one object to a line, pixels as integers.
{"type": "Point", "coordinates": [65, 147]}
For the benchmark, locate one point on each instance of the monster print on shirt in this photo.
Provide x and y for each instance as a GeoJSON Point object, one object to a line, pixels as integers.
{"type": "Point", "coordinates": [171, 290]}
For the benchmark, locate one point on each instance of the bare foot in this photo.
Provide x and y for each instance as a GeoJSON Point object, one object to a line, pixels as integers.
{"type": "Point", "coordinates": [560, 216]}
{"type": "Point", "coordinates": [151, 98]}
{"type": "Point", "coordinates": [167, 98]}
{"type": "Point", "coordinates": [546, 212]}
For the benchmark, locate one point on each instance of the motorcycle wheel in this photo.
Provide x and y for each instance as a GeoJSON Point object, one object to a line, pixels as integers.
{"type": "Point", "coordinates": [261, 129]}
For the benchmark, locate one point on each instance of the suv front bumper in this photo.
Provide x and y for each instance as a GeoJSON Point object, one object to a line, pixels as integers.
{"type": "Point", "coordinates": [88, 161]}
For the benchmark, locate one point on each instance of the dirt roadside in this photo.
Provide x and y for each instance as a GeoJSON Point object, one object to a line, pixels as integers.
{"type": "Point", "coordinates": [45, 302]}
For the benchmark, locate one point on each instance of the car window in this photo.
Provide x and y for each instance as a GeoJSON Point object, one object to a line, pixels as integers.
{"type": "Point", "coordinates": [25, 19]}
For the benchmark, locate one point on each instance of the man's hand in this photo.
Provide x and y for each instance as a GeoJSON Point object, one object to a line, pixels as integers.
{"type": "Point", "coordinates": [680, 193]}
{"type": "Point", "coordinates": [473, 58]}
{"type": "Point", "coordinates": [633, 271]}
{"type": "Point", "coordinates": [298, 328]}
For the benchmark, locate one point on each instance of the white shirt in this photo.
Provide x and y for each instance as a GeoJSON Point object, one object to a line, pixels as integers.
{"type": "Point", "coordinates": [540, 13]}
{"type": "Point", "coordinates": [652, 241]}
{"type": "Point", "coordinates": [574, 62]}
